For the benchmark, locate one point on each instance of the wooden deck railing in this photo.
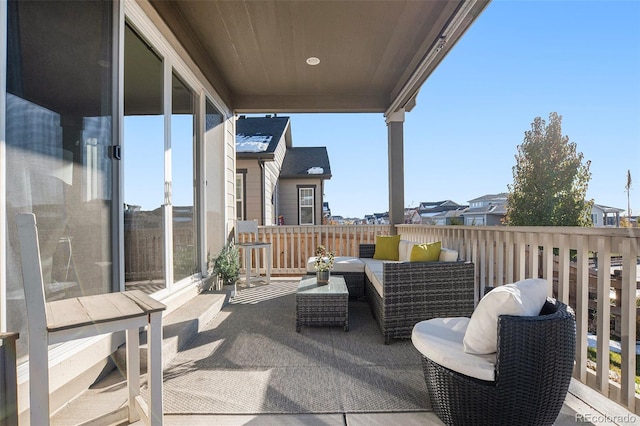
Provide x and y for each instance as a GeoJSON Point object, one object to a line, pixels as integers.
{"type": "Point", "coordinates": [507, 254]}
{"type": "Point", "coordinates": [293, 245]}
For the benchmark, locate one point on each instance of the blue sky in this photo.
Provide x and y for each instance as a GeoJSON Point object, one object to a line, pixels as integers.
{"type": "Point", "coordinates": [518, 61]}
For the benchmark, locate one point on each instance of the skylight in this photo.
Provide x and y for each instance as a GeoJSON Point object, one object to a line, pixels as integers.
{"type": "Point", "coordinates": [252, 143]}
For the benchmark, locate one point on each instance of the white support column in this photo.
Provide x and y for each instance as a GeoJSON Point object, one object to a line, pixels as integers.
{"type": "Point", "coordinates": [395, 127]}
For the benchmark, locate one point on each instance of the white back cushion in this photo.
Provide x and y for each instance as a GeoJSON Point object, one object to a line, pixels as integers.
{"type": "Point", "coordinates": [404, 250]}
{"type": "Point", "coordinates": [448, 255]}
{"type": "Point", "coordinates": [523, 298]}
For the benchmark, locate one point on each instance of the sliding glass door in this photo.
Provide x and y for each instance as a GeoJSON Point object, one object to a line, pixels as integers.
{"type": "Point", "coordinates": [159, 173]}
{"type": "Point", "coordinates": [59, 147]}
{"type": "Point", "coordinates": [183, 180]}
{"type": "Point", "coordinates": [144, 170]}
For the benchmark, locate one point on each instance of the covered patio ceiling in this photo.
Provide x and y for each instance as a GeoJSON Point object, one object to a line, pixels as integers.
{"type": "Point", "coordinates": [374, 55]}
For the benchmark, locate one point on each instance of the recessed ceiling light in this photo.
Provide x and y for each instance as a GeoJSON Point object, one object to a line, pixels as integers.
{"type": "Point", "coordinates": [313, 60]}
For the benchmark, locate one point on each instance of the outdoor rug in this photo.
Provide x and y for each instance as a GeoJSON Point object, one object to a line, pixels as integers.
{"type": "Point", "coordinates": [251, 360]}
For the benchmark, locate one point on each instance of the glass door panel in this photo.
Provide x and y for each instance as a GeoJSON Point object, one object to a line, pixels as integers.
{"type": "Point", "coordinates": [58, 147]}
{"type": "Point", "coordinates": [183, 179]}
{"type": "Point", "coordinates": [143, 161]}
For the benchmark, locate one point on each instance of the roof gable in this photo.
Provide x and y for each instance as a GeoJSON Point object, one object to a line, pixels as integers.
{"type": "Point", "coordinates": [306, 162]}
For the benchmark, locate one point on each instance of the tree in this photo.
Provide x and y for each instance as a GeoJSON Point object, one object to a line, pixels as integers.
{"type": "Point", "coordinates": [628, 188]}
{"type": "Point", "coordinates": [550, 180]}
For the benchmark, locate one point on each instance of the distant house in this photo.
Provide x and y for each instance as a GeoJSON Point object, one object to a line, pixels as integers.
{"type": "Point", "coordinates": [411, 216]}
{"type": "Point", "coordinates": [605, 215]}
{"type": "Point", "coordinates": [377, 219]}
{"type": "Point", "coordinates": [381, 218]}
{"type": "Point", "coordinates": [326, 213]}
{"type": "Point", "coordinates": [336, 220]}
{"type": "Point", "coordinates": [274, 179]}
{"type": "Point", "coordinates": [486, 210]}
{"type": "Point", "coordinates": [428, 209]}
{"type": "Point", "coordinates": [451, 217]}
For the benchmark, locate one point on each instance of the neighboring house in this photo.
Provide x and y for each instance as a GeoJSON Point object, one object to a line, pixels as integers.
{"type": "Point", "coordinates": [486, 210]}
{"type": "Point", "coordinates": [274, 179]}
{"type": "Point", "coordinates": [428, 209]}
{"type": "Point", "coordinates": [261, 144]}
{"type": "Point", "coordinates": [326, 213]}
{"type": "Point", "coordinates": [605, 216]}
{"type": "Point", "coordinates": [336, 220]}
{"type": "Point", "coordinates": [301, 185]}
{"type": "Point", "coordinates": [411, 216]}
{"type": "Point", "coordinates": [451, 217]}
{"type": "Point", "coordinates": [376, 219]}
{"type": "Point", "coordinates": [381, 218]}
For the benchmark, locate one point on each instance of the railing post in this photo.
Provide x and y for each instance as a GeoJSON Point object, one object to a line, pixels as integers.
{"type": "Point", "coordinates": [582, 306]}
{"type": "Point", "coordinates": [604, 313]}
{"type": "Point", "coordinates": [563, 269]}
{"type": "Point", "coordinates": [628, 327]}
{"type": "Point", "coordinates": [547, 261]}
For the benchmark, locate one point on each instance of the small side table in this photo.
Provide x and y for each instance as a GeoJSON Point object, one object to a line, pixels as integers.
{"type": "Point", "coordinates": [319, 305]}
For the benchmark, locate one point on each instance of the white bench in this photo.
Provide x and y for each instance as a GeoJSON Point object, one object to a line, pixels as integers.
{"type": "Point", "coordinates": [80, 317]}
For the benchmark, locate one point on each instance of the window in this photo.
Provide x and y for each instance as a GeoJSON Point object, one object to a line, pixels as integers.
{"type": "Point", "coordinates": [240, 195]}
{"type": "Point", "coordinates": [306, 205]}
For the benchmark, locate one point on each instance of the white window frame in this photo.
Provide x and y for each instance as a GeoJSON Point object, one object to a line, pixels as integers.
{"type": "Point", "coordinates": [302, 206]}
{"type": "Point", "coordinates": [240, 199]}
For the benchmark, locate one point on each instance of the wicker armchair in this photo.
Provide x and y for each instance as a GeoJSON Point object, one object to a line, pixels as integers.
{"type": "Point", "coordinates": [416, 291]}
{"type": "Point", "coordinates": [534, 363]}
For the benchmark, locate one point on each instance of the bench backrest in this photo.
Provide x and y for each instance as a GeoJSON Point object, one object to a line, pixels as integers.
{"type": "Point", "coordinates": [32, 271]}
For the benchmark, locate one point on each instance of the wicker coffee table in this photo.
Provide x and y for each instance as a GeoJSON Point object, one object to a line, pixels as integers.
{"type": "Point", "coordinates": [322, 304]}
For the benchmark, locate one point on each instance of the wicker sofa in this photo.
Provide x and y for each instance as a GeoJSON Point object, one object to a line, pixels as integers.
{"type": "Point", "coordinates": [416, 291]}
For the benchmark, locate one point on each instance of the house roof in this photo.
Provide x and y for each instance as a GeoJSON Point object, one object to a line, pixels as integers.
{"type": "Point", "coordinates": [438, 206]}
{"type": "Point", "coordinates": [607, 209]}
{"type": "Point", "coordinates": [374, 55]}
{"type": "Point", "coordinates": [501, 197]}
{"type": "Point", "coordinates": [495, 209]}
{"type": "Point", "coordinates": [306, 162]}
{"type": "Point", "coordinates": [256, 136]}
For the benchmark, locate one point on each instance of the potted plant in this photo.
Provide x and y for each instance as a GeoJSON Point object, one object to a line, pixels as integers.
{"type": "Point", "coordinates": [226, 266]}
{"type": "Point", "coordinates": [323, 264]}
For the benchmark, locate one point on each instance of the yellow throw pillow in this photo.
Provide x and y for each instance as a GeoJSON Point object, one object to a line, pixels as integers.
{"type": "Point", "coordinates": [387, 247]}
{"type": "Point", "coordinates": [426, 252]}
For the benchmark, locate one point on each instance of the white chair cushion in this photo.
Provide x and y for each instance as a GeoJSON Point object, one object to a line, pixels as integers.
{"type": "Point", "coordinates": [340, 264]}
{"type": "Point", "coordinates": [404, 250]}
{"type": "Point", "coordinates": [373, 270]}
{"type": "Point", "coordinates": [448, 255]}
{"type": "Point", "coordinates": [523, 298]}
{"type": "Point", "coordinates": [440, 340]}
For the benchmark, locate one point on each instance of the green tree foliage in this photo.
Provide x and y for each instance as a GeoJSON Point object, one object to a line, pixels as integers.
{"type": "Point", "coordinates": [550, 180]}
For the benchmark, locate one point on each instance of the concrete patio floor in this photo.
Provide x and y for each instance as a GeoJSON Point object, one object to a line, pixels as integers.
{"type": "Point", "coordinates": [583, 405]}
